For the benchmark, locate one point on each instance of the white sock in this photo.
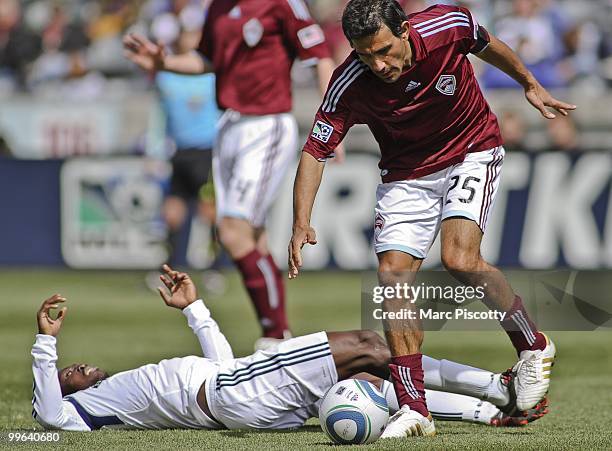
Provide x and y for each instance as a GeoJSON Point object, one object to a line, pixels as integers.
{"type": "Point", "coordinates": [431, 370]}
{"type": "Point", "coordinates": [447, 406]}
{"type": "Point", "coordinates": [454, 407]}
{"type": "Point", "coordinates": [467, 380]}
{"type": "Point", "coordinates": [449, 376]}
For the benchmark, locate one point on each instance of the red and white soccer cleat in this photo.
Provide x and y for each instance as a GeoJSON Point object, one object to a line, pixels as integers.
{"type": "Point", "coordinates": [521, 418]}
{"type": "Point", "coordinates": [409, 423]}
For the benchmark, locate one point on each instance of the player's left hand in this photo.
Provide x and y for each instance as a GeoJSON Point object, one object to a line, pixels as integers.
{"type": "Point", "coordinates": [46, 324]}
{"type": "Point", "coordinates": [182, 290]}
{"type": "Point", "coordinates": [541, 99]}
{"type": "Point", "coordinates": [301, 235]}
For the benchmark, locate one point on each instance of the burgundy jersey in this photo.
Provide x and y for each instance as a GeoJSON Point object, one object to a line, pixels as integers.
{"type": "Point", "coordinates": [427, 120]}
{"type": "Point", "coordinates": [252, 45]}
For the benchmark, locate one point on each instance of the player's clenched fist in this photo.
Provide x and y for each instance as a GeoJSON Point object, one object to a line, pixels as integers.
{"type": "Point", "coordinates": [301, 235]}
{"type": "Point", "coordinates": [46, 324]}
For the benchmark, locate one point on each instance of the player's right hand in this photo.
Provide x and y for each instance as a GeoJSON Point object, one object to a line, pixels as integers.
{"type": "Point", "coordinates": [301, 235]}
{"type": "Point", "coordinates": [144, 53]}
{"type": "Point", "coordinates": [46, 324]}
{"type": "Point", "coordinates": [181, 289]}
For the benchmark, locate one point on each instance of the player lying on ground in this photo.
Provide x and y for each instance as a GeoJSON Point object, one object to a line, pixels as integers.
{"type": "Point", "coordinates": [268, 390]}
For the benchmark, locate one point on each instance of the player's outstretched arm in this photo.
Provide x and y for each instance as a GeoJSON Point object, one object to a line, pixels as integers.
{"type": "Point", "coordinates": [48, 408]}
{"type": "Point", "coordinates": [182, 294]}
{"type": "Point", "coordinates": [307, 181]}
{"type": "Point", "coordinates": [498, 54]}
{"type": "Point", "coordinates": [152, 57]}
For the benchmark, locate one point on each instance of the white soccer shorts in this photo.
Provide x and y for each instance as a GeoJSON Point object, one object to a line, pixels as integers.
{"type": "Point", "coordinates": [409, 212]}
{"type": "Point", "coordinates": [250, 161]}
{"type": "Point", "coordinates": [277, 389]}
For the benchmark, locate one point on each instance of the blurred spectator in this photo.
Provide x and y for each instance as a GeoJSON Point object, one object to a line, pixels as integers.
{"type": "Point", "coordinates": [582, 64]}
{"type": "Point", "coordinates": [513, 130]}
{"type": "Point", "coordinates": [108, 21]}
{"type": "Point", "coordinates": [537, 34]}
{"type": "Point", "coordinates": [562, 134]}
{"type": "Point", "coordinates": [329, 13]}
{"type": "Point", "coordinates": [18, 46]}
{"type": "Point", "coordinates": [561, 41]}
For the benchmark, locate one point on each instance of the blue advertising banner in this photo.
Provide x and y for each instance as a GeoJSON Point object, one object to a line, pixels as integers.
{"type": "Point", "coordinates": [552, 210]}
{"type": "Point", "coordinates": [29, 212]}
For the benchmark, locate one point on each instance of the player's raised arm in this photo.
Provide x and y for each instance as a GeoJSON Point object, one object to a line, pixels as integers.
{"type": "Point", "coordinates": [152, 57]}
{"type": "Point", "coordinates": [183, 295]}
{"type": "Point", "coordinates": [498, 54]}
{"type": "Point", "coordinates": [48, 408]}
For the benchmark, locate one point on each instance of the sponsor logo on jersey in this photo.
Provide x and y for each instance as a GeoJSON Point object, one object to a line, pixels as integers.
{"type": "Point", "coordinates": [412, 85]}
{"type": "Point", "coordinates": [310, 36]}
{"type": "Point", "coordinates": [447, 84]}
{"type": "Point", "coordinates": [322, 131]}
{"type": "Point", "coordinates": [252, 32]}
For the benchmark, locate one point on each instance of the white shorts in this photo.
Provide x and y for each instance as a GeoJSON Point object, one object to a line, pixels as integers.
{"type": "Point", "coordinates": [277, 389]}
{"type": "Point", "coordinates": [409, 212]}
{"type": "Point", "coordinates": [250, 160]}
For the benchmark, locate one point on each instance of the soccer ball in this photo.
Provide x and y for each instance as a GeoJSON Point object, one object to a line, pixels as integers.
{"type": "Point", "coordinates": [353, 412]}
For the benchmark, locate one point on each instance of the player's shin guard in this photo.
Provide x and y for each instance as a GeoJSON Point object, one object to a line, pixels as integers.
{"type": "Point", "coordinates": [264, 283]}
{"type": "Point", "coordinates": [408, 380]}
{"type": "Point", "coordinates": [522, 331]}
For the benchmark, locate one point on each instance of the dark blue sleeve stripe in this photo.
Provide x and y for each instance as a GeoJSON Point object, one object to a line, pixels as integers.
{"type": "Point", "coordinates": [94, 422]}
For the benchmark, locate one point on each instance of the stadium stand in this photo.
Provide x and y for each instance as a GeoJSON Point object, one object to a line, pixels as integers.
{"type": "Point", "coordinates": [71, 51]}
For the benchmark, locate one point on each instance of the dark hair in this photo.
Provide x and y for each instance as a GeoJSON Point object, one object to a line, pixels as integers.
{"type": "Point", "coordinates": [363, 18]}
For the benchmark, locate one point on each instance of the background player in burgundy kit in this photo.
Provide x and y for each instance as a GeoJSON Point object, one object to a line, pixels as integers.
{"type": "Point", "coordinates": [251, 46]}
{"type": "Point", "coordinates": [410, 81]}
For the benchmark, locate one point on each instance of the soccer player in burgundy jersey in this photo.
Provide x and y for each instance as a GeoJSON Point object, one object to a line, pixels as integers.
{"type": "Point", "coordinates": [251, 46]}
{"type": "Point", "coordinates": [409, 79]}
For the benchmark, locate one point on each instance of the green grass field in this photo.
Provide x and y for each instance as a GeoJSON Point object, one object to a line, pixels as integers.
{"type": "Point", "coordinates": [114, 322]}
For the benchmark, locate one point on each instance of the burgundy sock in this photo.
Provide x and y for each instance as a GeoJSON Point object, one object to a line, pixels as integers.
{"type": "Point", "coordinates": [522, 331]}
{"type": "Point", "coordinates": [264, 283]}
{"type": "Point", "coordinates": [408, 380]}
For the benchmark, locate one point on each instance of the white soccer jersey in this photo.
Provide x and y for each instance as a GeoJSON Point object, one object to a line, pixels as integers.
{"type": "Point", "coordinates": [155, 396]}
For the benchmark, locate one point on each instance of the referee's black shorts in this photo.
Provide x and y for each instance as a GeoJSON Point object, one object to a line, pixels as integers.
{"type": "Point", "coordinates": [190, 171]}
